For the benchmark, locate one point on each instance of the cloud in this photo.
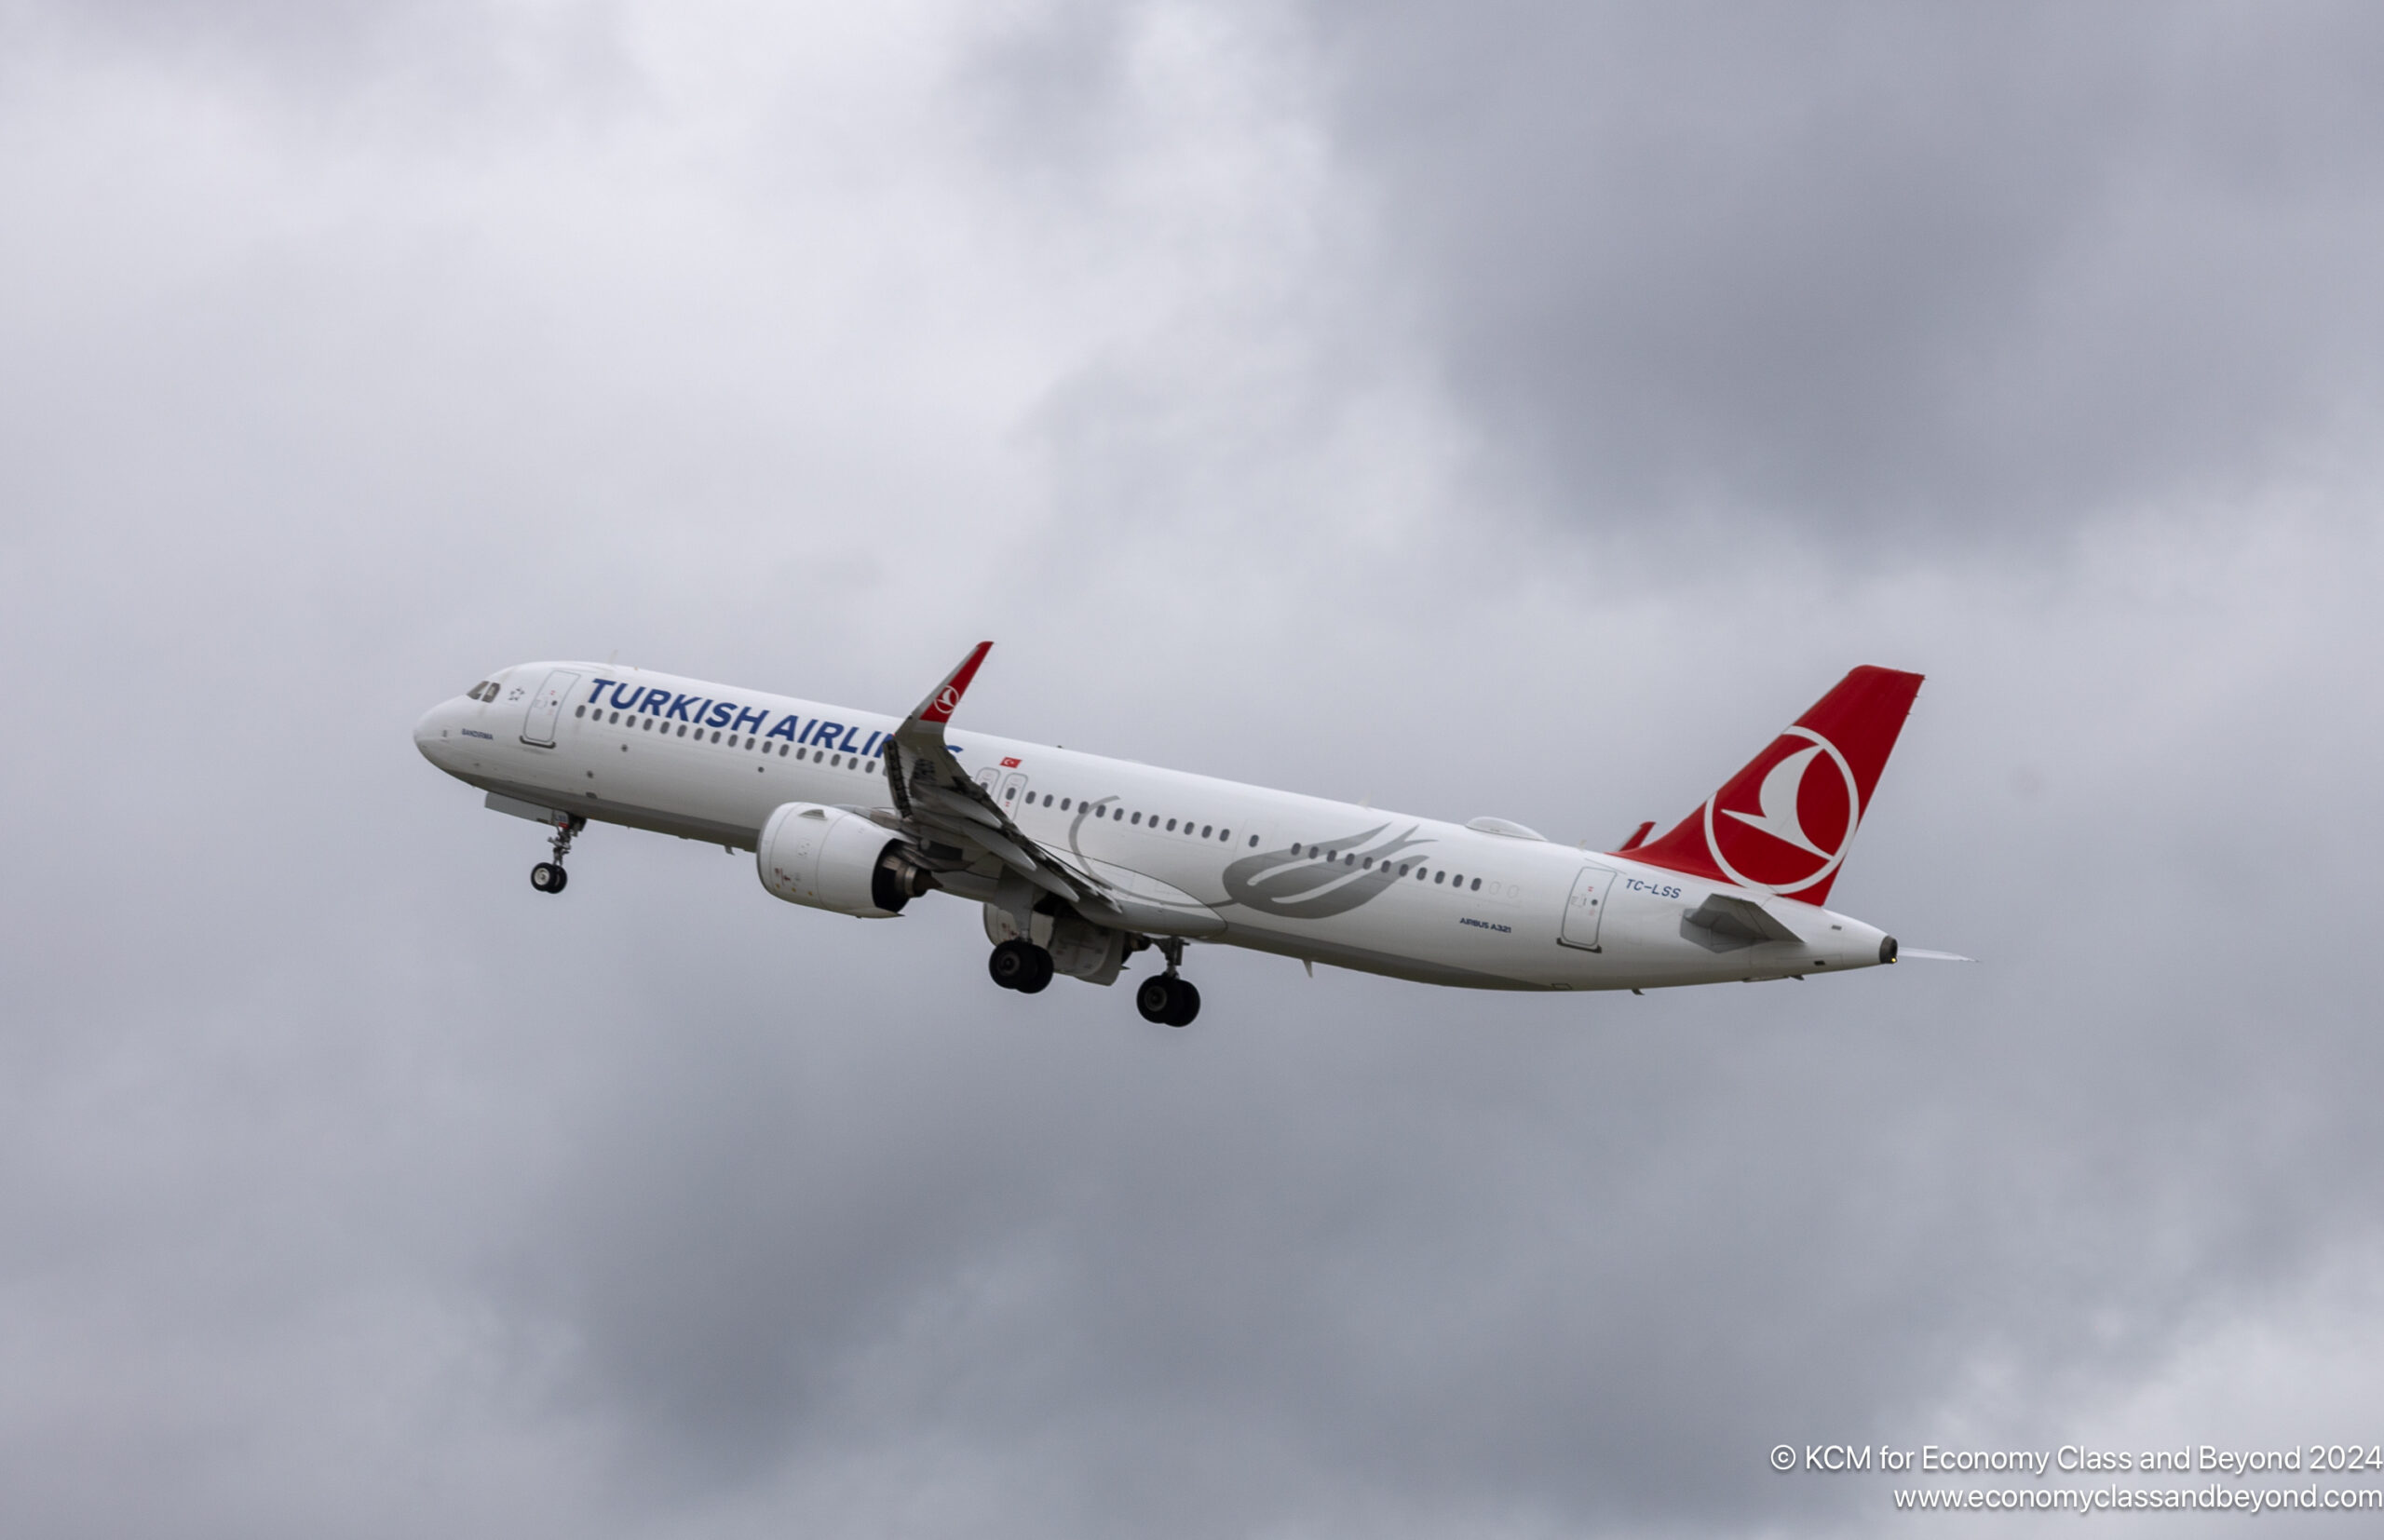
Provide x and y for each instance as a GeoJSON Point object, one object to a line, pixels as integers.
{"type": "Point", "coordinates": [1879, 278]}
{"type": "Point", "coordinates": [1241, 374]}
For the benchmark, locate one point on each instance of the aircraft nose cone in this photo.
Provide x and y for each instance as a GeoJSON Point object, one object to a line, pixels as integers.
{"type": "Point", "coordinates": [426, 733]}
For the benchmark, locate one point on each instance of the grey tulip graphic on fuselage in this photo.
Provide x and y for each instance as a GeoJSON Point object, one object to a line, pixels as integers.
{"type": "Point", "coordinates": [1325, 880]}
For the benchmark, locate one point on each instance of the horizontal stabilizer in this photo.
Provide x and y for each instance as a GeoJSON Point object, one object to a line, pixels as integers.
{"type": "Point", "coordinates": [1742, 919]}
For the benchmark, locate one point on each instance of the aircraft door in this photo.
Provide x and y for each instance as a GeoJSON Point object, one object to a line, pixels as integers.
{"type": "Point", "coordinates": [1007, 801]}
{"type": "Point", "coordinates": [989, 778]}
{"type": "Point", "coordinates": [1586, 909]}
{"type": "Point", "coordinates": [538, 724]}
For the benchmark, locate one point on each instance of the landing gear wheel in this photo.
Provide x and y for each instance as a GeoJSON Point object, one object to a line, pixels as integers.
{"type": "Point", "coordinates": [1167, 1001]}
{"type": "Point", "coordinates": [1021, 965]}
{"type": "Point", "coordinates": [546, 877]}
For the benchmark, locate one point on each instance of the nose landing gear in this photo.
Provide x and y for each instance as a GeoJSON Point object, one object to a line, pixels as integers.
{"type": "Point", "coordinates": [550, 877]}
{"type": "Point", "coordinates": [1168, 999]}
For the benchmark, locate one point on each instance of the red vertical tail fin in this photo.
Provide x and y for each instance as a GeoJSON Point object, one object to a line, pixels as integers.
{"type": "Point", "coordinates": [1783, 823]}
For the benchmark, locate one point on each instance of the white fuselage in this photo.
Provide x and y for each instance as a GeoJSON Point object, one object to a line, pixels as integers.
{"type": "Point", "coordinates": [1305, 877]}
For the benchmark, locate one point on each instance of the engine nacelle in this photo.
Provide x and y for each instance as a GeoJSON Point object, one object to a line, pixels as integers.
{"type": "Point", "coordinates": [826, 857]}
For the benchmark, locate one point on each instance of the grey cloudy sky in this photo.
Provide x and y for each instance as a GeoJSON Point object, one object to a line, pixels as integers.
{"type": "Point", "coordinates": [1487, 408]}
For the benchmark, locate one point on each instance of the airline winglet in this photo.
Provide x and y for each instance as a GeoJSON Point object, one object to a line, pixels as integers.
{"type": "Point", "coordinates": [944, 699]}
{"type": "Point", "coordinates": [925, 728]}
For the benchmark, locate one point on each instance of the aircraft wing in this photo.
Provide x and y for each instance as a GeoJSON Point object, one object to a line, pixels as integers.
{"type": "Point", "coordinates": [935, 797]}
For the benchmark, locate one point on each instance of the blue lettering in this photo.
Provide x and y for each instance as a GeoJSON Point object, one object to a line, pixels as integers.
{"type": "Point", "coordinates": [679, 709]}
{"type": "Point", "coordinates": [752, 719]}
{"type": "Point", "coordinates": [870, 748]}
{"type": "Point", "coordinates": [598, 693]}
{"type": "Point", "coordinates": [719, 715]}
{"type": "Point", "coordinates": [785, 729]}
{"type": "Point", "coordinates": [627, 702]}
{"type": "Point", "coordinates": [826, 736]}
{"type": "Point", "coordinates": [848, 744]}
{"type": "Point", "coordinates": [809, 731]}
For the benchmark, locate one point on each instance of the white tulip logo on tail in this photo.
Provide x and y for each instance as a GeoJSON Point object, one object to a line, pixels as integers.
{"type": "Point", "coordinates": [1783, 823]}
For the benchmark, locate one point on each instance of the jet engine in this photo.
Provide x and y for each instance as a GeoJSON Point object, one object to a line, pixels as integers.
{"type": "Point", "coordinates": [827, 857]}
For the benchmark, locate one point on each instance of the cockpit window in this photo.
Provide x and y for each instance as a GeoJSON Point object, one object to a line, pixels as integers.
{"type": "Point", "coordinates": [484, 689]}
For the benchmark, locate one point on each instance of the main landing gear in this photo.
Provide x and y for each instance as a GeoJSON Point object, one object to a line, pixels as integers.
{"type": "Point", "coordinates": [1022, 966]}
{"type": "Point", "coordinates": [1167, 998]}
{"type": "Point", "coordinates": [550, 877]}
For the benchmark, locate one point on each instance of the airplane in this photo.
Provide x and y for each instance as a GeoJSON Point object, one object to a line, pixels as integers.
{"type": "Point", "coordinates": [1080, 862]}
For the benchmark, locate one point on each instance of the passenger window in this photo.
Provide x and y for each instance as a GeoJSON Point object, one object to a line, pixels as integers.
{"type": "Point", "coordinates": [1370, 863]}
{"type": "Point", "coordinates": [716, 737]}
{"type": "Point", "coordinates": [1295, 847]}
{"type": "Point", "coordinates": [1204, 830]}
{"type": "Point", "coordinates": [580, 711]}
{"type": "Point", "coordinates": [1138, 818]}
{"type": "Point", "coordinates": [1063, 805]}
{"type": "Point", "coordinates": [1170, 826]}
{"type": "Point", "coordinates": [782, 750]}
{"type": "Point", "coordinates": [647, 726]}
{"type": "Point", "coordinates": [614, 718]}
{"type": "Point", "coordinates": [1438, 877]}
{"type": "Point", "coordinates": [1477, 885]}
{"type": "Point", "coordinates": [1253, 842]}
